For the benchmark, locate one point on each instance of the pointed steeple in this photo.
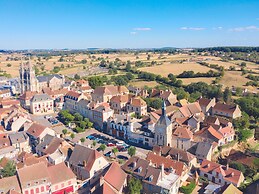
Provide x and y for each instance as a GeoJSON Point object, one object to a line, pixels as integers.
{"type": "Point", "coordinates": [164, 108]}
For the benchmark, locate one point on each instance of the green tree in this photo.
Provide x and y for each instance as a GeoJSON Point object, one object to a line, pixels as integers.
{"type": "Point", "coordinates": [135, 186]}
{"type": "Point", "coordinates": [72, 135]}
{"type": "Point", "coordinates": [83, 124]}
{"type": "Point", "coordinates": [115, 151]}
{"type": "Point", "coordinates": [227, 95]}
{"type": "Point", "coordinates": [76, 76]}
{"type": "Point", "coordinates": [132, 151]}
{"type": "Point", "coordinates": [244, 134]}
{"type": "Point", "coordinates": [9, 169]}
{"type": "Point", "coordinates": [78, 117]}
{"type": "Point", "coordinates": [82, 140]}
{"type": "Point", "coordinates": [64, 131]}
{"type": "Point", "coordinates": [102, 147]}
{"type": "Point", "coordinates": [94, 143]}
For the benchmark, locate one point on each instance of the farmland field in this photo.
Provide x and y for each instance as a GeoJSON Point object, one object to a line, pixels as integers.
{"type": "Point", "coordinates": [207, 80]}
{"type": "Point", "coordinates": [176, 68]}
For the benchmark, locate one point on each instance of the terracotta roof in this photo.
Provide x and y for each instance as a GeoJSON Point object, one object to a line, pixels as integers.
{"type": "Point", "coordinates": [226, 131]}
{"type": "Point", "coordinates": [215, 133]}
{"type": "Point", "coordinates": [183, 132]}
{"type": "Point", "coordinates": [27, 95]}
{"type": "Point", "coordinates": [36, 129]}
{"type": "Point", "coordinates": [83, 154]}
{"type": "Point", "coordinates": [166, 94]}
{"type": "Point", "coordinates": [4, 140]}
{"type": "Point", "coordinates": [9, 102]}
{"type": "Point", "coordinates": [9, 183]}
{"type": "Point", "coordinates": [229, 189]}
{"type": "Point", "coordinates": [32, 174]}
{"type": "Point", "coordinates": [204, 101]}
{"type": "Point", "coordinates": [169, 110]}
{"type": "Point", "coordinates": [168, 163]}
{"type": "Point", "coordinates": [5, 91]}
{"type": "Point", "coordinates": [137, 101]}
{"type": "Point", "coordinates": [105, 189]}
{"type": "Point", "coordinates": [110, 90]}
{"type": "Point", "coordinates": [73, 94]}
{"type": "Point", "coordinates": [121, 99]}
{"type": "Point", "coordinates": [224, 108]}
{"type": "Point", "coordinates": [135, 163]}
{"type": "Point", "coordinates": [49, 144]}
{"type": "Point", "coordinates": [153, 172]}
{"type": "Point", "coordinates": [60, 173]}
{"type": "Point", "coordinates": [229, 174]}
{"type": "Point", "coordinates": [115, 176]}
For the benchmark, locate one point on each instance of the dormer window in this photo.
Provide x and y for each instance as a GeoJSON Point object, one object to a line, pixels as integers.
{"type": "Point", "coordinates": [150, 178]}
{"type": "Point", "coordinates": [139, 169]}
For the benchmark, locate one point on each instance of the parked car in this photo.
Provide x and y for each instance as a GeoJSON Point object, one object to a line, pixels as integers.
{"type": "Point", "coordinates": [121, 149]}
{"type": "Point", "coordinates": [90, 137]}
{"type": "Point", "coordinates": [47, 117]}
{"type": "Point", "coordinates": [108, 154]}
{"type": "Point", "coordinates": [110, 144]}
{"type": "Point", "coordinates": [120, 143]}
{"type": "Point", "coordinates": [122, 157]}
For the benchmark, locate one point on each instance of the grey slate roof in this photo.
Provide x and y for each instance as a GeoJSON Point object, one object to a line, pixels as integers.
{"type": "Point", "coordinates": [48, 77]}
{"type": "Point", "coordinates": [203, 148]}
{"type": "Point", "coordinates": [18, 137]}
{"type": "Point", "coordinates": [40, 97]}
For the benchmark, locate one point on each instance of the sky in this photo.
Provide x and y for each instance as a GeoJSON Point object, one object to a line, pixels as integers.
{"type": "Point", "coordinates": [80, 24]}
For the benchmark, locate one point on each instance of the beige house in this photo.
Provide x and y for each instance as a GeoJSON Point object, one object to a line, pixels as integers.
{"type": "Point", "coordinates": [182, 138]}
{"type": "Point", "coordinates": [87, 164]}
{"type": "Point", "coordinates": [71, 100]}
{"type": "Point", "coordinates": [207, 105]}
{"type": "Point", "coordinates": [168, 96]}
{"type": "Point", "coordinates": [101, 113]}
{"type": "Point", "coordinates": [41, 104]}
{"type": "Point", "coordinates": [230, 111]}
{"type": "Point", "coordinates": [138, 106]}
{"type": "Point", "coordinates": [105, 93]}
{"type": "Point", "coordinates": [220, 174]}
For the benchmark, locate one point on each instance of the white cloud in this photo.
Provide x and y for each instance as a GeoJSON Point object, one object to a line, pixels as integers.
{"type": "Point", "coordinates": [246, 28]}
{"type": "Point", "coordinates": [257, 18]}
{"type": "Point", "coordinates": [142, 29]}
{"type": "Point", "coordinates": [133, 33]}
{"type": "Point", "coordinates": [217, 28]}
{"type": "Point", "coordinates": [192, 28]}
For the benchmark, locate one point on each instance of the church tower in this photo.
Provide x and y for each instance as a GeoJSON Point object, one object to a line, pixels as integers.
{"type": "Point", "coordinates": [28, 80]}
{"type": "Point", "coordinates": [163, 129]}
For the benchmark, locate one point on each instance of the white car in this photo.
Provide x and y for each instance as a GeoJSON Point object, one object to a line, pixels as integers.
{"type": "Point", "coordinates": [120, 143]}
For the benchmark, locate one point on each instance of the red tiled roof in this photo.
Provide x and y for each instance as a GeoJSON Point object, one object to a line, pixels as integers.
{"type": "Point", "coordinates": [226, 131]}
{"type": "Point", "coordinates": [60, 173]}
{"type": "Point", "coordinates": [224, 108]}
{"type": "Point", "coordinates": [168, 163]}
{"type": "Point", "coordinates": [204, 101]}
{"type": "Point", "coordinates": [27, 95]}
{"type": "Point", "coordinates": [73, 94]}
{"type": "Point", "coordinates": [36, 129]}
{"type": "Point", "coordinates": [214, 133]}
{"type": "Point", "coordinates": [183, 132]}
{"type": "Point", "coordinates": [229, 174]}
{"type": "Point", "coordinates": [139, 102]}
{"type": "Point", "coordinates": [115, 176]}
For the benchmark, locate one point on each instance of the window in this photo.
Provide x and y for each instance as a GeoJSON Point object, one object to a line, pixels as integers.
{"type": "Point", "coordinates": [37, 190]}
{"type": "Point", "coordinates": [42, 189]}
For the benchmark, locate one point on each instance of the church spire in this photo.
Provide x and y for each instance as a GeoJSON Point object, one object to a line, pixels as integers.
{"type": "Point", "coordinates": [164, 108]}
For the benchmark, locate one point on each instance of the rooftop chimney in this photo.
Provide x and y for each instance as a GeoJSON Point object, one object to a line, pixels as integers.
{"type": "Point", "coordinates": [162, 171]}
{"type": "Point", "coordinates": [84, 163]}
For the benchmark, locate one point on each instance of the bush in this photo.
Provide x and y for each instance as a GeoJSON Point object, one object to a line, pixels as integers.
{"type": "Point", "coordinates": [79, 130]}
{"type": "Point", "coordinates": [188, 189]}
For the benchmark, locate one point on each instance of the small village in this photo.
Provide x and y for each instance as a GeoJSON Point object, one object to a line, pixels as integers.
{"type": "Point", "coordinates": [59, 135]}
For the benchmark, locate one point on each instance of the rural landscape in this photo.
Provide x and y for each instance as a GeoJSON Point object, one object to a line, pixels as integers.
{"type": "Point", "coordinates": [129, 97]}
